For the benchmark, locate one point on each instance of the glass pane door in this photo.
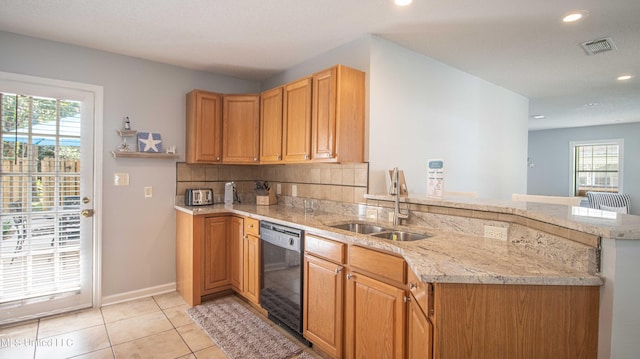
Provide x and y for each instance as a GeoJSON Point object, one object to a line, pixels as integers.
{"type": "Point", "coordinates": [46, 248]}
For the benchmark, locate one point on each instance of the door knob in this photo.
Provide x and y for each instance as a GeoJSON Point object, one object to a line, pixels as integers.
{"type": "Point", "coordinates": [86, 213]}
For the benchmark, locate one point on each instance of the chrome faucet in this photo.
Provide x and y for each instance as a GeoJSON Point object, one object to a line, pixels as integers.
{"type": "Point", "coordinates": [395, 190]}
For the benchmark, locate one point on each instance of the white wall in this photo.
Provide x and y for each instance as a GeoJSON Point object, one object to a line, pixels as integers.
{"type": "Point", "coordinates": [138, 239]}
{"type": "Point", "coordinates": [422, 109]}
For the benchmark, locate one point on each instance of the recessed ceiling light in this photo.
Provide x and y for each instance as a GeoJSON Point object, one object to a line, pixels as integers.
{"type": "Point", "coordinates": [538, 117]}
{"type": "Point", "coordinates": [591, 104]}
{"type": "Point", "coordinates": [625, 77]}
{"type": "Point", "coordinates": [574, 16]}
{"type": "Point", "coordinates": [403, 2]}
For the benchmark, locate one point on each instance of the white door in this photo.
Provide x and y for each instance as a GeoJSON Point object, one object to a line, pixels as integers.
{"type": "Point", "coordinates": [47, 248]}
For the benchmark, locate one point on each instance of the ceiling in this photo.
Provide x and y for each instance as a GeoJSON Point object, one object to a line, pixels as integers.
{"type": "Point", "coordinates": [521, 45]}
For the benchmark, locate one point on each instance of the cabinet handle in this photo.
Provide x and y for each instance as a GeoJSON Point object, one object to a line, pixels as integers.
{"type": "Point", "coordinates": [412, 286]}
{"type": "Point", "coordinates": [306, 157]}
{"type": "Point", "coordinates": [218, 158]}
{"type": "Point", "coordinates": [349, 276]}
{"type": "Point", "coordinates": [251, 226]}
{"type": "Point", "coordinates": [278, 157]}
{"type": "Point", "coordinates": [407, 299]}
{"type": "Point", "coordinates": [338, 270]}
{"type": "Point", "coordinates": [255, 158]}
{"type": "Point", "coordinates": [246, 237]}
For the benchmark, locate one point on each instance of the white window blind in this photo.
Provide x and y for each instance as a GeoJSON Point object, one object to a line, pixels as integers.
{"type": "Point", "coordinates": [597, 168]}
{"type": "Point", "coordinates": [40, 247]}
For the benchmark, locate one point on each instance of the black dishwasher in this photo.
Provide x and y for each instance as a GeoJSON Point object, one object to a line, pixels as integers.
{"type": "Point", "coordinates": [281, 273]}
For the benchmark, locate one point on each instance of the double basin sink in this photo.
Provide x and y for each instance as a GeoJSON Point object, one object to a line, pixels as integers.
{"type": "Point", "coordinates": [380, 232]}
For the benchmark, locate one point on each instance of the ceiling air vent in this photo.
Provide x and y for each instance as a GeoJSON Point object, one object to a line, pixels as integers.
{"type": "Point", "coordinates": [597, 46]}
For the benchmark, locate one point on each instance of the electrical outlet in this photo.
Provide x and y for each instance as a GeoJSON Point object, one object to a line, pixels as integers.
{"type": "Point", "coordinates": [390, 216]}
{"type": "Point", "coordinates": [495, 232]}
{"type": "Point", "coordinates": [294, 190]}
{"type": "Point", "coordinates": [148, 192]}
{"type": "Point", "coordinates": [279, 189]}
{"type": "Point", "coordinates": [372, 213]}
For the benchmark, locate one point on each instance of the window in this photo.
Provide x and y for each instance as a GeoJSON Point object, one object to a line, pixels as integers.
{"type": "Point", "coordinates": [597, 166]}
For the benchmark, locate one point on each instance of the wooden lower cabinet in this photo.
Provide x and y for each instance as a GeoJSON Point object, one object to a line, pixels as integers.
{"type": "Point", "coordinates": [210, 256]}
{"type": "Point", "coordinates": [375, 318]}
{"type": "Point", "coordinates": [323, 304]}
{"type": "Point", "coordinates": [235, 236]}
{"type": "Point", "coordinates": [419, 332]}
{"type": "Point", "coordinates": [252, 263]}
{"type": "Point", "coordinates": [216, 254]}
{"type": "Point", "coordinates": [324, 294]}
{"type": "Point", "coordinates": [515, 321]}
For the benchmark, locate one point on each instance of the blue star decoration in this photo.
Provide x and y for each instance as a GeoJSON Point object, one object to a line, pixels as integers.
{"type": "Point", "coordinates": [149, 142]}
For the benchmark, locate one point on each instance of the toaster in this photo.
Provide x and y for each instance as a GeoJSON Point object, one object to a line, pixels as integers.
{"type": "Point", "coordinates": [198, 196]}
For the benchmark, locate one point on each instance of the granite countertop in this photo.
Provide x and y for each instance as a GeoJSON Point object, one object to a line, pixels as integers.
{"type": "Point", "coordinates": [588, 220]}
{"type": "Point", "coordinates": [442, 258]}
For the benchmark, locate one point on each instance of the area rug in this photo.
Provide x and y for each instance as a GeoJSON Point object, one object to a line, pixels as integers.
{"type": "Point", "coordinates": [241, 334]}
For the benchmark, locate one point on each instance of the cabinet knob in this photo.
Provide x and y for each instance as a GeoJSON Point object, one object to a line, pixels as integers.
{"type": "Point", "coordinates": [218, 158]}
{"type": "Point", "coordinates": [306, 157]}
{"type": "Point", "coordinates": [412, 286]}
{"type": "Point", "coordinates": [278, 157]}
{"type": "Point", "coordinates": [251, 225]}
{"type": "Point", "coordinates": [255, 158]}
{"type": "Point", "coordinates": [338, 270]}
{"type": "Point", "coordinates": [349, 276]}
{"type": "Point", "coordinates": [407, 299]}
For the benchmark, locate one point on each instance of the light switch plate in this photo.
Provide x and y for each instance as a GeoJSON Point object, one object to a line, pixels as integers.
{"type": "Point", "coordinates": [148, 192]}
{"type": "Point", "coordinates": [121, 179]}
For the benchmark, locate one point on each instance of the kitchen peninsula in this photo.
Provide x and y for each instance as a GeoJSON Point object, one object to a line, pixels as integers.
{"type": "Point", "coordinates": [553, 255]}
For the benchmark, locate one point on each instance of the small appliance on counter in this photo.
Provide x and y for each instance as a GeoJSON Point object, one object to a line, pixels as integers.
{"type": "Point", "coordinates": [198, 197]}
{"type": "Point", "coordinates": [229, 193]}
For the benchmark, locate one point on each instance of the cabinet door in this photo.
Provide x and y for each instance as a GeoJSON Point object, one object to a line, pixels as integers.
{"type": "Point", "coordinates": [271, 125]}
{"type": "Point", "coordinates": [338, 115]}
{"type": "Point", "coordinates": [216, 253]}
{"type": "Point", "coordinates": [240, 129]}
{"type": "Point", "coordinates": [419, 332]}
{"type": "Point", "coordinates": [323, 306]}
{"type": "Point", "coordinates": [324, 114]}
{"type": "Point", "coordinates": [296, 121]}
{"type": "Point", "coordinates": [252, 268]}
{"type": "Point", "coordinates": [236, 242]}
{"type": "Point", "coordinates": [204, 127]}
{"type": "Point", "coordinates": [375, 319]}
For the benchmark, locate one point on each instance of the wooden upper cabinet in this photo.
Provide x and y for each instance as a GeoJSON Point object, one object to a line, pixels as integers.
{"type": "Point", "coordinates": [296, 121]}
{"type": "Point", "coordinates": [338, 115]}
{"type": "Point", "coordinates": [204, 127]}
{"type": "Point", "coordinates": [271, 126]}
{"type": "Point", "coordinates": [240, 128]}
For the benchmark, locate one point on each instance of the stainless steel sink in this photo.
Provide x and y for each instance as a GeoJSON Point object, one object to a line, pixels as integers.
{"type": "Point", "coordinates": [361, 228]}
{"type": "Point", "coordinates": [401, 236]}
{"type": "Point", "coordinates": [380, 232]}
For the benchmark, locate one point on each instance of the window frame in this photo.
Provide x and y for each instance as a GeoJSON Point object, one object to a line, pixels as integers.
{"type": "Point", "coordinates": [572, 154]}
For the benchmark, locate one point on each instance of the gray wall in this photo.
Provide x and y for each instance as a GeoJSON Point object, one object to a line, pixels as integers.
{"type": "Point", "coordinates": [138, 238]}
{"type": "Point", "coordinates": [550, 151]}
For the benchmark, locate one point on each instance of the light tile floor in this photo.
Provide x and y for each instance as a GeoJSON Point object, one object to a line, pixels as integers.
{"type": "Point", "coordinates": [156, 327]}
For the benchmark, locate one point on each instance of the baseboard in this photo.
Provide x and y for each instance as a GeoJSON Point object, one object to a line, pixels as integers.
{"type": "Point", "coordinates": [138, 294]}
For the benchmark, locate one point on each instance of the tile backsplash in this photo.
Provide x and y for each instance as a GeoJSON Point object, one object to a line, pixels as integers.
{"type": "Point", "coordinates": [346, 182]}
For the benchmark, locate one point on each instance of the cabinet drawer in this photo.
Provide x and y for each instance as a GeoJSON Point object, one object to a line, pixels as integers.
{"type": "Point", "coordinates": [385, 265]}
{"type": "Point", "coordinates": [325, 248]}
{"type": "Point", "coordinates": [252, 226]}
{"type": "Point", "coordinates": [421, 291]}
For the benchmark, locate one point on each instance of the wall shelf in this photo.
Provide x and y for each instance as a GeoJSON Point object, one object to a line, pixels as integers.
{"type": "Point", "coordinates": [154, 155]}
{"type": "Point", "coordinates": [134, 154]}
